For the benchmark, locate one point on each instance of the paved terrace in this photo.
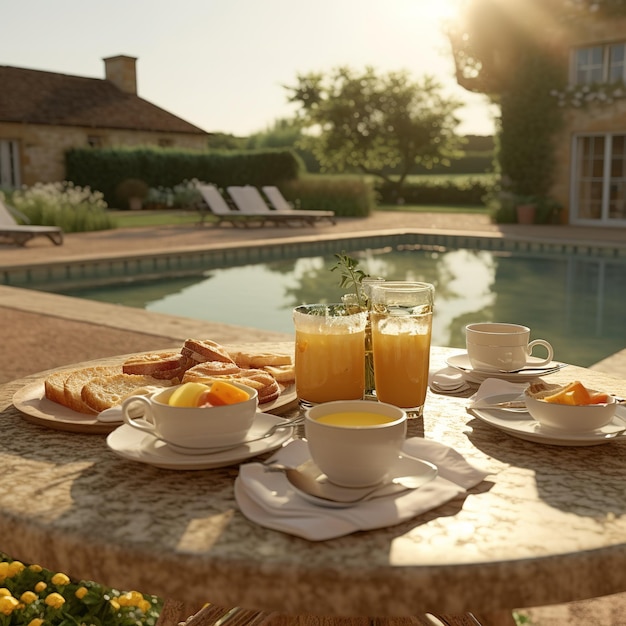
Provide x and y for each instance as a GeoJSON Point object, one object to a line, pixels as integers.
{"type": "Point", "coordinates": [41, 331]}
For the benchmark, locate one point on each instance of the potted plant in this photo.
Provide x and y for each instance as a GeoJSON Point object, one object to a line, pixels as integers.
{"type": "Point", "coordinates": [525, 209]}
{"type": "Point", "coordinates": [132, 192]}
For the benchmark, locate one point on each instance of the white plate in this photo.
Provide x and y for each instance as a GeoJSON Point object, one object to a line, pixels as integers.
{"type": "Point", "coordinates": [404, 466]}
{"type": "Point", "coordinates": [462, 363]}
{"type": "Point", "coordinates": [32, 402]}
{"type": "Point", "coordinates": [136, 445]}
{"type": "Point", "coordinates": [523, 426]}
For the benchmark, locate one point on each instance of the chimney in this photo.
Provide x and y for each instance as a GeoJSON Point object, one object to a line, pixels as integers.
{"type": "Point", "coordinates": [120, 70]}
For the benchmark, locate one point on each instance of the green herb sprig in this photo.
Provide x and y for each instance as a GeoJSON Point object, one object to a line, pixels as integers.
{"type": "Point", "coordinates": [351, 277]}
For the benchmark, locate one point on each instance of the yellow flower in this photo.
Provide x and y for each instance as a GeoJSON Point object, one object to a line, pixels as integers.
{"type": "Point", "coordinates": [8, 604]}
{"type": "Point", "coordinates": [28, 597]}
{"type": "Point", "coordinates": [55, 600]}
{"type": "Point", "coordinates": [4, 569]}
{"type": "Point", "coordinates": [40, 586]}
{"type": "Point", "coordinates": [15, 568]}
{"type": "Point", "coordinates": [144, 606]}
{"type": "Point", "coordinates": [60, 579]}
{"type": "Point", "coordinates": [114, 603]}
{"type": "Point", "coordinates": [81, 592]}
{"type": "Point", "coordinates": [4, 592]}
{"type": "Point", "coordinates": [130, 598]}
{"type": "Point", "coordinates": [35, 568]}
{"type": "Point", "coordinates": [35, 622]}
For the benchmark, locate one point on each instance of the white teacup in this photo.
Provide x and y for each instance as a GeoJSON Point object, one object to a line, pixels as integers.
{"type": "Point", "coordinates": [191, 427]}
{"type": "Point", "coordinates": [359, 443]}
{"type": "Point", "coordinates": [494, 346]}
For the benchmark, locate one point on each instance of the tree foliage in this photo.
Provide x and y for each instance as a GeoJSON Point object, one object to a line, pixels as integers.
{"type": "Point", "coordinates": [515, 51]}
{"type": "Point", "coordinates": [371, 123]}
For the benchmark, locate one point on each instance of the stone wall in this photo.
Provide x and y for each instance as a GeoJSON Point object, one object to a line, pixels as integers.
{"type": "Point", "coordinates": [591, 118]}
{"type": "Point", "coordinates": [42, 148]}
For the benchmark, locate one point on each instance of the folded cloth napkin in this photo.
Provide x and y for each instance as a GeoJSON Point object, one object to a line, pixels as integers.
{"type": "Point", "coordinates": [448, 380]}
{"type": "Point", "coordinates": [494, 387]}
{"type": "Point", "coordinates": [266, 497]}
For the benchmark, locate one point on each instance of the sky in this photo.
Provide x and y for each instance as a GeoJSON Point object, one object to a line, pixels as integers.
{"type": "Point", "coordinates": [223, 64]}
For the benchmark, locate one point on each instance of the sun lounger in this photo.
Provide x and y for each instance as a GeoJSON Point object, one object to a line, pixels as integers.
{"type": "Point", "coordinates": [278, 202]}
{"type": "Point", "coordinates": [218, 207]}
{"type": "Point", "coordinates": [250, 200]}
{"type": "Point", "coordinates": [21, 234]}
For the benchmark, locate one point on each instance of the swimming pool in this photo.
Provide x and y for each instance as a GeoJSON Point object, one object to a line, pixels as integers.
{"type": "Point", "coordinates": [575, 301]}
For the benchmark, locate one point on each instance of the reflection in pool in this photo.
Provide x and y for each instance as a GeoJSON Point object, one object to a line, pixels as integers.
{"type": "Point", "coordinates": [575, 302]}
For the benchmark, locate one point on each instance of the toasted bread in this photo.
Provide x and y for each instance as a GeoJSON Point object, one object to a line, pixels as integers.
{"type": "Point", "coordinates": [103, 392]}
{"type": "Point", "coordinates": [75, 382]}
{"type": "Point", "coordinates": [54, 386]}
{"type": "Point", "coordinates": [256, 360]}
{"type": "Point", "coordinates": [285, 374]}
{"type": "Point", "coordinates": [201, 350]}
{"type": "Point", "coordinates": [166, 365]}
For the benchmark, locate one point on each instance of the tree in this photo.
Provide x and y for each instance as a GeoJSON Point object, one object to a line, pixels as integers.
{"type": "Point", "coordinates": [514, 52]}
{"type": "Point", "coordinates": [284, 133]}
{"type": "Point", "coordinates": [375, 123]}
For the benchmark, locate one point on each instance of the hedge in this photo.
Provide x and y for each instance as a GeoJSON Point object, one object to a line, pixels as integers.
{"type": "Point", "coordinates": [107, 169]}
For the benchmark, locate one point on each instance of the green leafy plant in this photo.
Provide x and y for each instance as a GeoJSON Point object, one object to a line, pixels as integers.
{"type": "Point", "coordinates": [351, 276]}
{"type": "Point", "coordinates": [33, 596]}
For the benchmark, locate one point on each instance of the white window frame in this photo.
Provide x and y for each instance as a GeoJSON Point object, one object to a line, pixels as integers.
{"type": "Point", "coordinates": [594, 72]}
{"type": "Point", "coordinates": [10, 175]}
{"type": "Point", "coordinates": [604, 218]}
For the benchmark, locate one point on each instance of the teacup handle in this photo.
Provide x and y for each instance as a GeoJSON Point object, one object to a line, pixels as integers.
{"type": "Point", "coordinates": [546, 345]}
{"type": "Point", "coordinates": [144, 422]}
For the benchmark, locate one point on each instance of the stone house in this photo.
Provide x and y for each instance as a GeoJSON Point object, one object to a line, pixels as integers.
{"type": "Point", "coordinates": [44, 114]}
{"type": "Point", "coordinates": [590, 179]}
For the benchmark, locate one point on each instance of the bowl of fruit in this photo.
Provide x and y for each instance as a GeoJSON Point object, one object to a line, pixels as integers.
{"type": "Point", "coordinates": [195, 415]}
{"type": "Point", "coordinates": [571, 407]}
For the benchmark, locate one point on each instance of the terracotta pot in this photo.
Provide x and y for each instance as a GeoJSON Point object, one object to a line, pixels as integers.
{"type": "Point", "coordinates": [526, 213]}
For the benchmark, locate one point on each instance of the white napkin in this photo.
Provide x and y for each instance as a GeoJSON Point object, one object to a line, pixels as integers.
{"type": "Point", "coordinates": [448, 380]}
{"type": "Point", "coordinates": [266, 497]}
{"type": "Point", "coordinates": [494, 387]}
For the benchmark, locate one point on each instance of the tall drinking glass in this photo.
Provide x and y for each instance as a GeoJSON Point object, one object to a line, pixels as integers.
{"type": "Point", "coordinates": [330, 353]}
{"type": "Point", "coordinates": [401, 318]}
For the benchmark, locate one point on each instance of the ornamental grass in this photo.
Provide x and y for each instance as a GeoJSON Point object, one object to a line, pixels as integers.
{"type": "Point", "coordinates": [74, 209]}
{"type": "Point", "coordinates": [33, 596]}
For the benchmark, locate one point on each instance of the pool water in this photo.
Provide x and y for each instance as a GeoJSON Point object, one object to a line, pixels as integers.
{"type": "Point", "coordinates": [577, 303]}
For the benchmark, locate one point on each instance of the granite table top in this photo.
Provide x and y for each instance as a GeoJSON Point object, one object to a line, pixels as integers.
{"type": "Point", "coordinates": [548, 525]}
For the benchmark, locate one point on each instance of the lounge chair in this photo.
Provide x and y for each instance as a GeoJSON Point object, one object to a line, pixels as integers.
{"type": "Point", "coordinates": [218, 207]}
{"type": "Point", "coordinates": [250, 200]}
{"type": "Point", "coordinates": [278, 202]}
{"type": "Point", "coordinates": [21, 234]}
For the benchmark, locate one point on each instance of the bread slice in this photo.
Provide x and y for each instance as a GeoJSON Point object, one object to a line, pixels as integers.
{"type": "Point", "coordinates": [201, 350]}
{"type": "Point", "coordinates": [75, 382]}
{"type": "Point", "coordinates": [54, 386]}
{"type": "Point", "coordinates": [259, 359]}
{"type": "Point", "coordinates": [285, 374]}
{"type": "Point", "coordinates": [103, 392]}
{"type": "Point", "coordinates": [167, 365]}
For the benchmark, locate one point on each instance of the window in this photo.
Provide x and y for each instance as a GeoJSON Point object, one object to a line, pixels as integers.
{"type": "Point", "coordinates": [9, 164]}
{"type": "Point", "coordinates": [599, 180]}
{"type": "Point", "coordinates": [599, 64]}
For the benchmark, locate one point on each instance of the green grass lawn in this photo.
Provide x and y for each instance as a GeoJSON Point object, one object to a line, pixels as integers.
{"type": "Point", "coordinates": [132, 219]}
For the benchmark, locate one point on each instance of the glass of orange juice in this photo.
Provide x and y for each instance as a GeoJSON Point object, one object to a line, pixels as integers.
{"type": "Point", "coordinates": [401, 319]}
{"type": "Point", "coordinates": [330, 353]}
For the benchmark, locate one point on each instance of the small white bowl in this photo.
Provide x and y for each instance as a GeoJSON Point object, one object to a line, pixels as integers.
{"type": "Point", "coordinates": [193, 427]}
{"type": "Point", "coordinates": [570, 418]}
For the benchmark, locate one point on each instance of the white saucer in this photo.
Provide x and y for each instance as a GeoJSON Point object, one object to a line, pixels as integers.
{"type": "Point", "coordinates": [462, 363]}
{"type": "Point", "coordinates": [405, 465]}
{"type": "Point", "coordinates": [523, 426]}
{"type": "Point", "coordinates": [136, 445]}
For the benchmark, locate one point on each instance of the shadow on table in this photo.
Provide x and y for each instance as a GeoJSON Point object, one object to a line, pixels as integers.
{"type": "Point", "coordinates": [580, 472]}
